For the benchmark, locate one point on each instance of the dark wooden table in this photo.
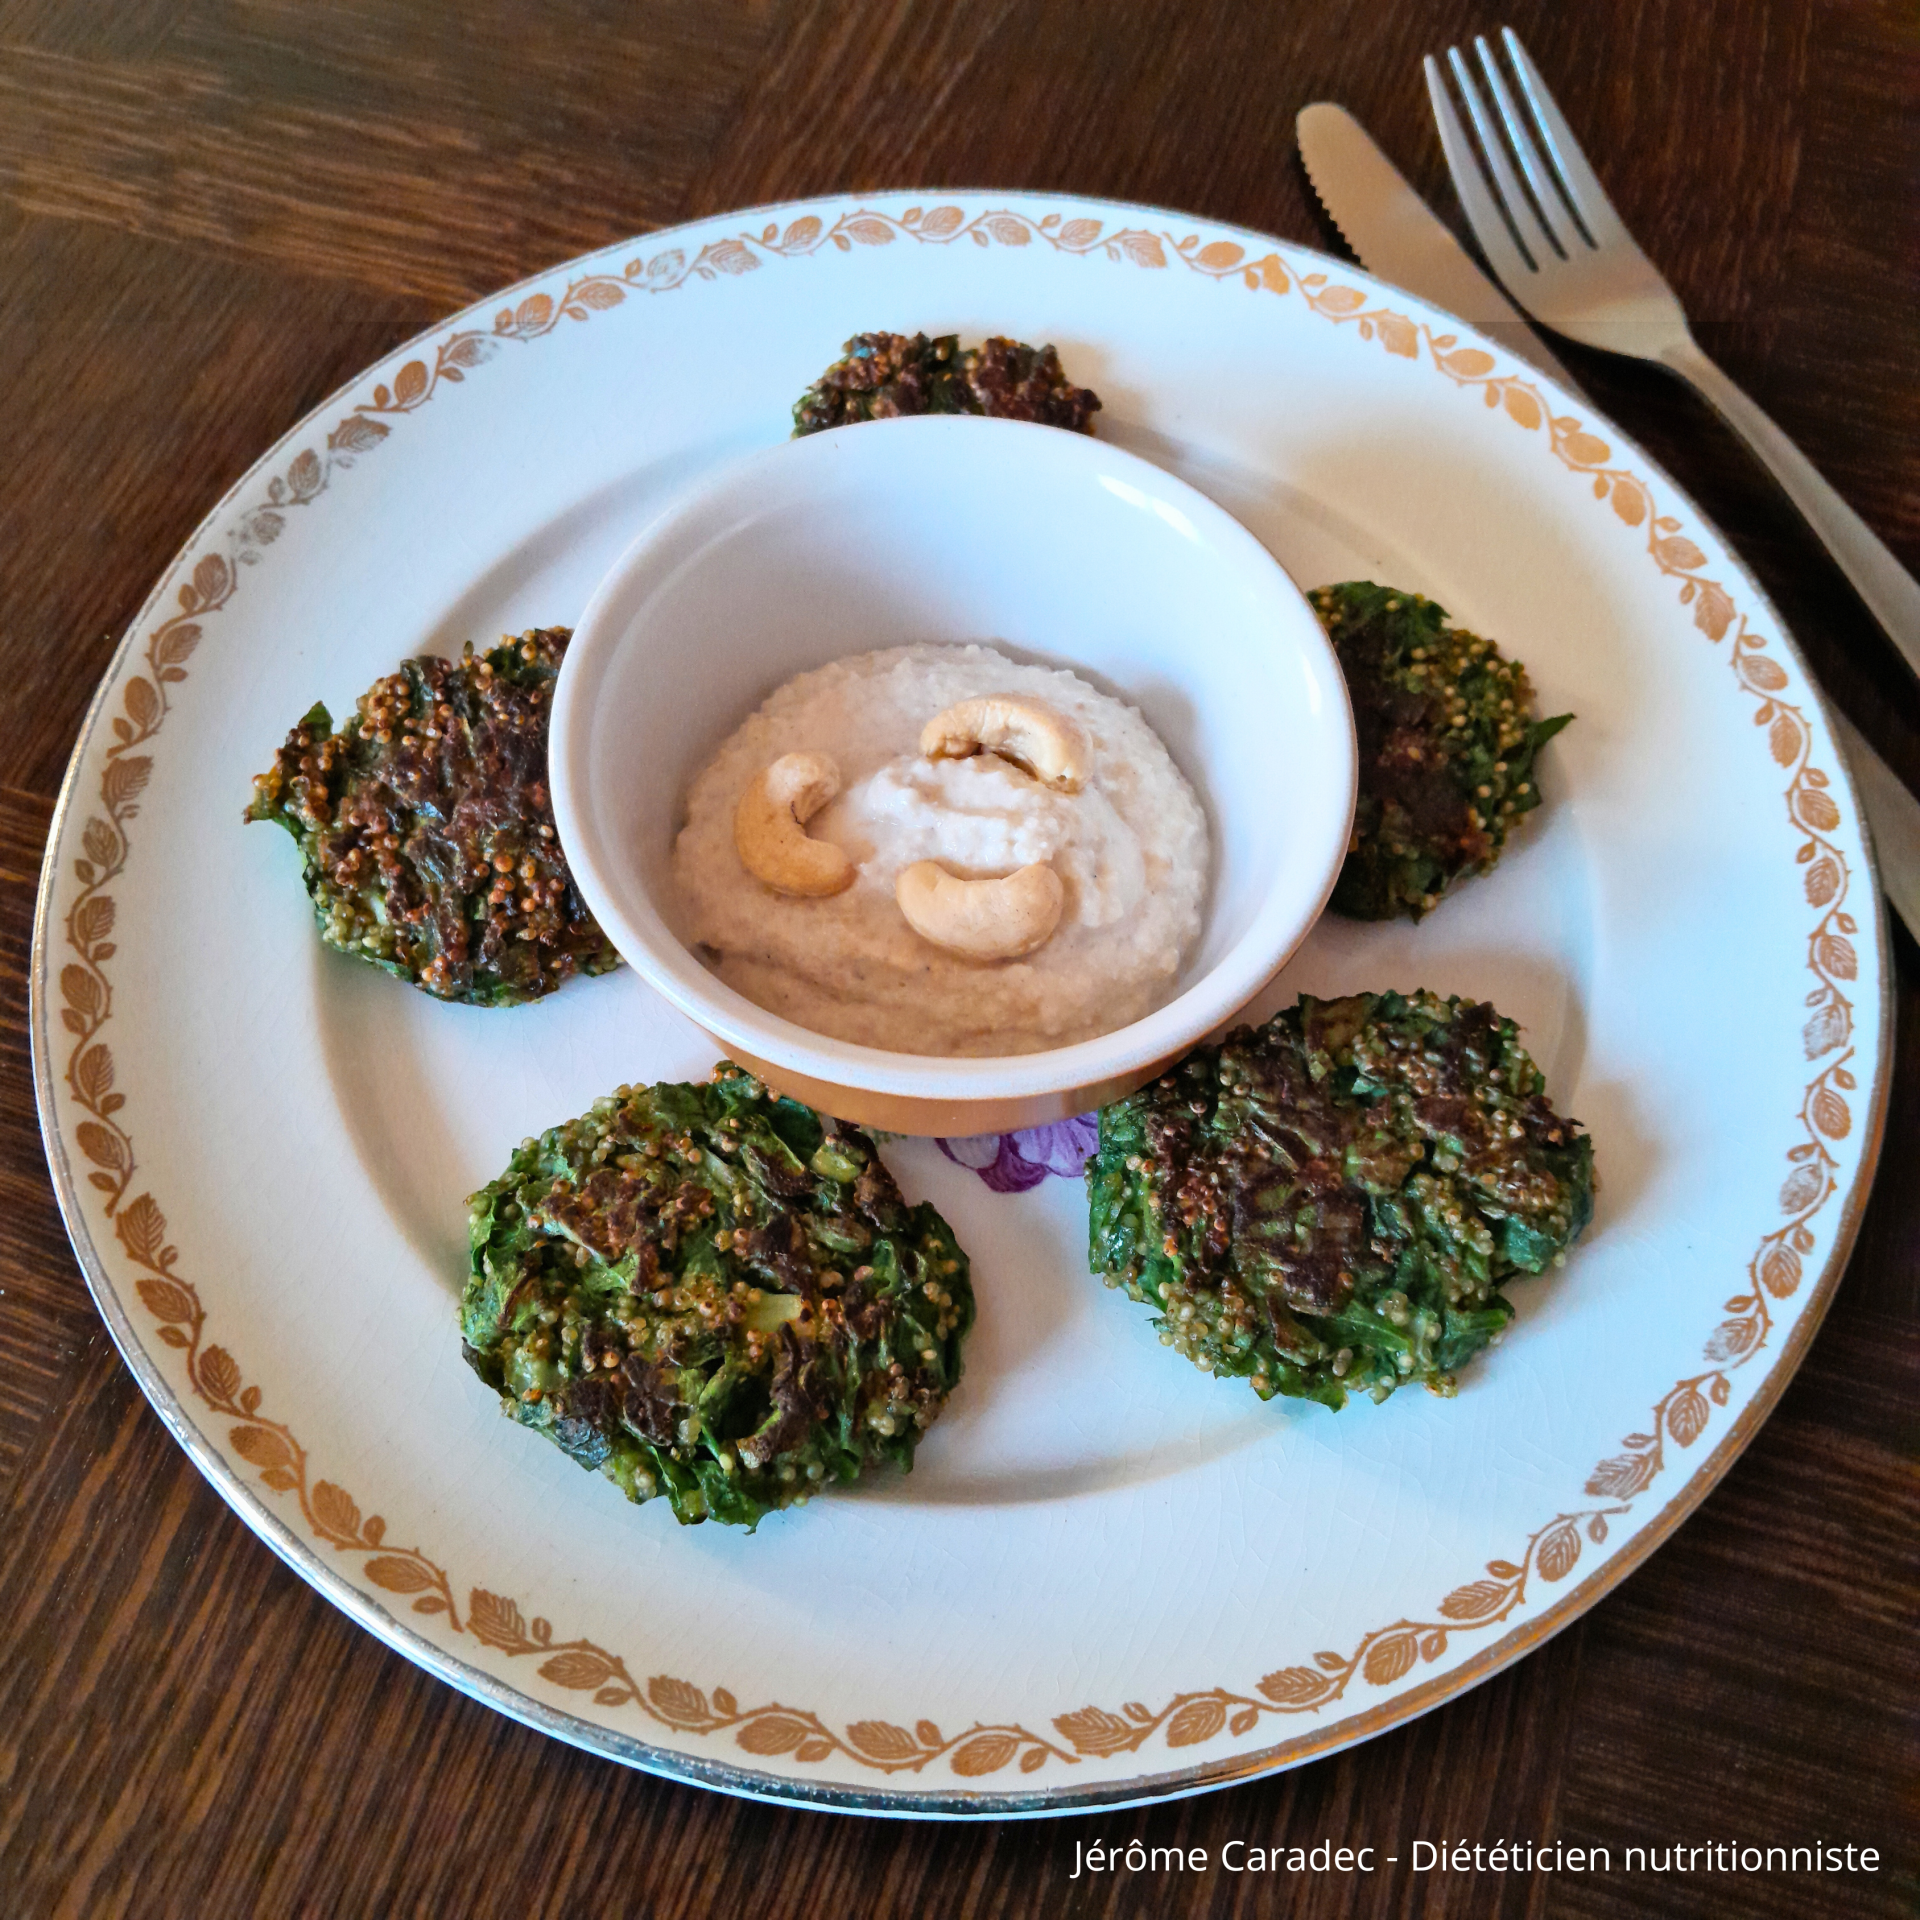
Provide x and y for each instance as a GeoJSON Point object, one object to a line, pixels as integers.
{"type": "Point", "coordinates": [213, 211]}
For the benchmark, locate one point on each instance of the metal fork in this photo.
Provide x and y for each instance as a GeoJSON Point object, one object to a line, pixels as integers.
{"type": "Point", "coordinates": [1557, 246]}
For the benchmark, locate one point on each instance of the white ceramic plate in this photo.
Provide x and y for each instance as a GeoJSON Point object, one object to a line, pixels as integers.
{"type": "Point", "coordinates": [1109, 1577]}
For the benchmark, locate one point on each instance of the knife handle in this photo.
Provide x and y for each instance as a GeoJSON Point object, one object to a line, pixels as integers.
{"type": "Point", "coordinates": [1893, 817]}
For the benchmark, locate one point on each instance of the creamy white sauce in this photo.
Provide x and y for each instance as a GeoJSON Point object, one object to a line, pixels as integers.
{"type": "Point", "coordinates": [1130, 848]}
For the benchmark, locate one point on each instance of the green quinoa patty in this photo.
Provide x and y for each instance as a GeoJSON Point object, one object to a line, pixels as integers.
{"type": "Point", "coordinates": [714, 1294]}
{"type": "Point", "coordinates": [1447, 743]}
{"type": "Point", "coordinates": [884, 375]}
{"type": "Point", "coordinates": [426, 832]}
{"type": "Point", "coordinates": [1333, 1200]}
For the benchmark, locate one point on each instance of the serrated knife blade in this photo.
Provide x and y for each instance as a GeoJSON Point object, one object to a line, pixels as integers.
{"type": "Point", "coordinates": [1400, 238]}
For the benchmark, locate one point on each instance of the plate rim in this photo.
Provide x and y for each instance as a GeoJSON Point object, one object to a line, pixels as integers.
{"type": "Point", "coordinates": [303, 1557]}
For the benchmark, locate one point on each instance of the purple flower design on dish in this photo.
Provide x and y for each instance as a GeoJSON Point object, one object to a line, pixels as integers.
{"type": "Point", "coordinates": [1013, 1162]}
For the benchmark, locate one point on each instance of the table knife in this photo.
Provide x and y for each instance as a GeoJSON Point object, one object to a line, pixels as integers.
{"type": "Point", "coordinates": [1401, 239]}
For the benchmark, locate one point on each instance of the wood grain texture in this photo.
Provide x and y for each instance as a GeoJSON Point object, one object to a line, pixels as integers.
{"type": "Point", "coordinates": [211, 213]}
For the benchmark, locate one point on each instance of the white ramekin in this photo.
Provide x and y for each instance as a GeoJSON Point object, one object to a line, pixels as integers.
{"type": "Point", "coordinates": [1055, 545]}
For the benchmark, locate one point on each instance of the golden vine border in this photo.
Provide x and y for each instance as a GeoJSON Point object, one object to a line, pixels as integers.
{"type": "Point", "coordinates": [1381, 1657]}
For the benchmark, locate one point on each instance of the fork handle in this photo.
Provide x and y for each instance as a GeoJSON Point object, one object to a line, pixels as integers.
{"type": "Point", "coordinates": [1890, 591]}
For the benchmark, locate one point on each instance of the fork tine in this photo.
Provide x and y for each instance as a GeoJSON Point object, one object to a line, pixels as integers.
{"type": "Point", "coordinates": [1534, 237]}
{"type": "Point", "coordinates": [1509, 260]}
{"type": "Point", "coordinates": [1548, 202]}
{"type": "Point", "coordinates": [1585, 195]}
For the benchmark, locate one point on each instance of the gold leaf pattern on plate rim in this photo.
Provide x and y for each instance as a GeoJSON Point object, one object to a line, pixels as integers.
{"type": "Point", "coordinates": [1384, 1655]}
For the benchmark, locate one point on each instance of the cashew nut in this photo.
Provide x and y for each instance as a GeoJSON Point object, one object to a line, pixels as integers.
{"type": "Point", "coordinates": [769, 827]}
{"type": "Point", "coordinates": [1034, 736]}
{"type": "Point", "coordinates": [982, 919]}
